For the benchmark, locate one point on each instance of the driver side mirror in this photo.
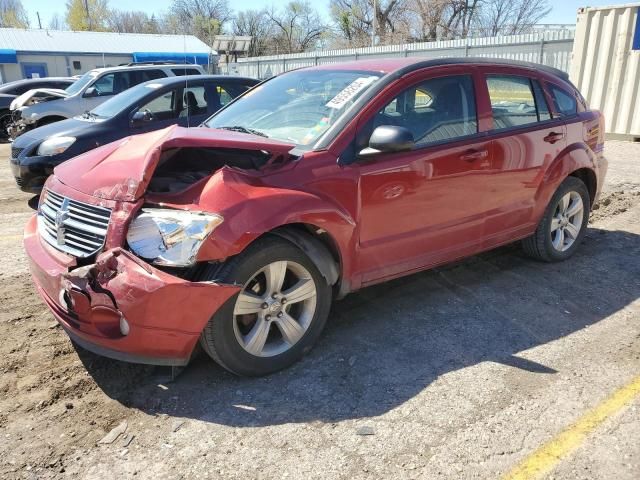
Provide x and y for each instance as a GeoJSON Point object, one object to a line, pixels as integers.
{"type": "Point", "coordinates": [388, 139]}
{"type": "Point", "coordinates": [91, 92]}
{"type": "Point", "coordinates": [140, 118]}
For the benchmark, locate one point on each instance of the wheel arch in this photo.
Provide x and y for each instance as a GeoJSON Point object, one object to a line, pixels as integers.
{"type": "Point", "coordinates": [588, 177]}
{"type": "Point", "coordinates": [49, 119]}
{"type": "Point", "coordinates": [319, 245]}
{"type": "Point", "coordinates": [576, 160]}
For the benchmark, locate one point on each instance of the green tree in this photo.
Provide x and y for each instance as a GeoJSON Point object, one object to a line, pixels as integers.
{"type": "Point", "coordinates": [13, 14]}
{"type": "Point", "coordinates": [92, 15]}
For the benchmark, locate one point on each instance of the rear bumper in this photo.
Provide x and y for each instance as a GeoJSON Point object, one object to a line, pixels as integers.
{"type": "Point", "coordinates": [602, 165]}
{"type": "Point", "coordinates": [163, 315]}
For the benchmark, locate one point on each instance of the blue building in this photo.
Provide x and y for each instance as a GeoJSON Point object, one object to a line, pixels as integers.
{"type": "Point", "coordinates": [27, 53]}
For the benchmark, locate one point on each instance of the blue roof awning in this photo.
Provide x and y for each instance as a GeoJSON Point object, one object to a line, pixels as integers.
{"type": "Point", "coordinates": [8, 56]}
{"type": "Point", "coordinates": [180, 57]}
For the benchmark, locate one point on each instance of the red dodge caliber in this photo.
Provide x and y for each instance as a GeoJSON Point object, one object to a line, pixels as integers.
{"type": "Point", "coordinates": [237, 234]}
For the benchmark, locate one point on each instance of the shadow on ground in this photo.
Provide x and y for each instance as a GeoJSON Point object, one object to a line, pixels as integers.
{"type": "Point", "coordinates": [385, 344]}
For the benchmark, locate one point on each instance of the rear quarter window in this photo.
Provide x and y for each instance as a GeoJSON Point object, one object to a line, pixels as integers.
{"type": "Point", "coordinates": [146, 75]}
{"type": "Point", "coordinates": [564, 102]}
{"type": "Point", "coordinates": [185, 71]}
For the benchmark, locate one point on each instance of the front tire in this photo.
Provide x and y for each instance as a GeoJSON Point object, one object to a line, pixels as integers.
{"type": "Point", "coordinates": [277, 316]}
{"type": "Point", "coordinates": [563, 225]}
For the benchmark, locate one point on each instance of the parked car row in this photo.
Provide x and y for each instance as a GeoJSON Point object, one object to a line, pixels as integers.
{"type": "Point", "coordinates": [155, 104]}
{"type": "Point", "coordinates": [238, 234]}
{"type": "Point", "coordinates": [32, 109]}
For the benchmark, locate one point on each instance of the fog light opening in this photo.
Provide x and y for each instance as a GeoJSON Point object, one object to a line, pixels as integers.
{"type": "Point", "coordinates": [124, 326]}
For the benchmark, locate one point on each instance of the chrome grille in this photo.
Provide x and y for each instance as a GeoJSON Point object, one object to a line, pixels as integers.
{"type": "Point", "coordinates": [73, 227]}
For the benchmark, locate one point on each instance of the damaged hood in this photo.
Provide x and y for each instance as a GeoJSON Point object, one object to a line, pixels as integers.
{"type": "Point", "coordinates": [122, 170]}
{"type": "Point", "coordinates": [38, 95]}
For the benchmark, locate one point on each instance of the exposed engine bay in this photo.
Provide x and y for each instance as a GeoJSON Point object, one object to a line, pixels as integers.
{"type": "Point", "coordinates": [179, 168]}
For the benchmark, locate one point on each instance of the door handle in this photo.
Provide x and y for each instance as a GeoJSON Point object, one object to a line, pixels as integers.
{"type": "Point", "coordinates": [472, 155]}
{"type": "Point", "coordinates": [554, 137]}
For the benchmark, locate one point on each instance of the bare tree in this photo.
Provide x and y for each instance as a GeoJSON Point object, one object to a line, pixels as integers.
{"type": "Point", "coordinates": [510, 17]}
{"type": "Point", "coordinates": [458, 18]}
{"type": "Point", "coordinates": [427, 19]}
{"type": "Point", "coordinates": [202, 18]}
{"type": "Point", "coordinates": [13, 14]}
{"type": "Point", "coordinates": [297, 27]}
{"type": "Point", "coordinates": [256, 24]}
{"type": "Point", "coordinates": [356, 19]}
{"type": "Point", "coordinates": [56, 22]}
{"type": "Point", "coordinates": [131, 22]}
{"type": "Point", "coordinates": [352, 21]}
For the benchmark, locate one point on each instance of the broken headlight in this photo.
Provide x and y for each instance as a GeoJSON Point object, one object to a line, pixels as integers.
{"type": "Point", "coordinates": [170, 237]}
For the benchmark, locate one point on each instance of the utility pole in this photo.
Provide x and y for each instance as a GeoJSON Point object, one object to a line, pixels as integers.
{"type": "Point", "coordinates": [39, 22]}
{"type": "Point", "coordinates": [373, 25]}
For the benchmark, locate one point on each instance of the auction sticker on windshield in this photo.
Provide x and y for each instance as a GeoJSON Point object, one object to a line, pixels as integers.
{"type": "Point", "coordinates": [347, 94]}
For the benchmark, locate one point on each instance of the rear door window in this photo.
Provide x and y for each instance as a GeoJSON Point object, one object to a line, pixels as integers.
{"type": "Point", "coordinates": [434, 111]}
{"type": "Point", "coordinates": [512, 101]}
{"type": "Point", "coordinates": [564, 102]}
{"type": "Point", "coordinates": [194, 101]}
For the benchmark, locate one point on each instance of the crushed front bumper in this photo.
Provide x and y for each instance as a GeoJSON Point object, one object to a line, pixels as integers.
{"type": "Point", "coordinates": [121, 307]}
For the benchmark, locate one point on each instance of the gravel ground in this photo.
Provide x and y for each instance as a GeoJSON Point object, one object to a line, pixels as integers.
{"type": "Point", "coordinates": [459, 372]}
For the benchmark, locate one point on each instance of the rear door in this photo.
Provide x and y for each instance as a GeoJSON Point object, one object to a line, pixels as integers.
{"type": "Point", "coordinates": [426, 206]}
{"type": "Point", "coordinates": [525, 140]}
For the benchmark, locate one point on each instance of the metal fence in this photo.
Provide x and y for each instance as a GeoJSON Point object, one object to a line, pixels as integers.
{"type": "Point", "coordinates": [551, 48]}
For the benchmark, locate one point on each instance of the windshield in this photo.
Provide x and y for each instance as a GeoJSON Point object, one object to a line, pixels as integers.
{"type": "Point", "coordinates": [296, 107]}
{"type": "Point", "coordinates": [119, 102]}
{"type": "Point", "coordinates": [79, 84]}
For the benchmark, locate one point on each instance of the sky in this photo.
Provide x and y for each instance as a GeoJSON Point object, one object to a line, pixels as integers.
{"type": "Point", "coordinates": [563, 11]}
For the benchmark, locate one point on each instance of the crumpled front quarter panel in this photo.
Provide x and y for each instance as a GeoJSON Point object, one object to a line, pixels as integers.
{"type": "Point", "coordinates": [122, 170]}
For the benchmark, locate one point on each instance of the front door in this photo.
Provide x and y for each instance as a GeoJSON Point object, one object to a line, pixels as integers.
{"type": "Point", "coordinates": [426, 206]}
{"type": "Point", "coordinates": [162, 110]}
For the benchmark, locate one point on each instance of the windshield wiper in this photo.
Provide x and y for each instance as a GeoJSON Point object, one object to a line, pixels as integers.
{"type": "Point", "coordinates": [241, 129]}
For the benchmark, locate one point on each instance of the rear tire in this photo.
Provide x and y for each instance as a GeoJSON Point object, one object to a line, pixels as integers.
{"type": "Point", "coordinates": [563, 225]}
{"type": "Point", "coordinates": [260, 330]}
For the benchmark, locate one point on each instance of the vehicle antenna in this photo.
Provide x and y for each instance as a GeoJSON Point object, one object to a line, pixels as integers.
{"type": "Point", "coordinates": [184, 50]}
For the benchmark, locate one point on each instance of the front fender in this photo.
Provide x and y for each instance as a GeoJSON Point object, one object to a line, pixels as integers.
{"type": "Point", "coordinates": [251, 209]}
{"type": "Point", "coordinates": [52, 108]}
{"type": "Point", "coordinates": [574, 157]}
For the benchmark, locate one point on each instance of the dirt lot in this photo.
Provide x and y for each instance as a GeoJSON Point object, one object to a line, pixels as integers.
{"type": "Point", "coordinates": [461, 372]}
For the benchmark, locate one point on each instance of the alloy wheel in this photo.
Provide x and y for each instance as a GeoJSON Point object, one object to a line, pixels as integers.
{"type": "Point", "coordinates": [566, 222]}
{"type": "Point", "coordinates": [274, 309]}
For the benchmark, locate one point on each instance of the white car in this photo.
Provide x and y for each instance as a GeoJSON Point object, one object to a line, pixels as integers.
{"type": "Point", "coordinates": [38, 107]}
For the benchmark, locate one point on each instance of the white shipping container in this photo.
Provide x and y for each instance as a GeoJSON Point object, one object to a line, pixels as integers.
{"type": "Point", "coordinates": [605, 65]}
